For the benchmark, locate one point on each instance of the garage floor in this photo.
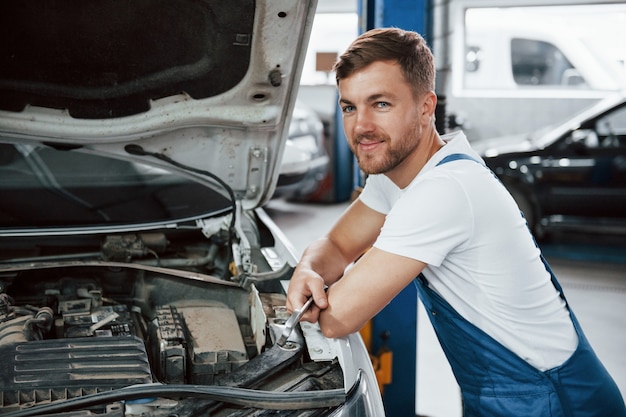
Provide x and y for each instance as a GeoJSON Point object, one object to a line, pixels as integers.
{"type": "Point", "coordinates": [592, 273]}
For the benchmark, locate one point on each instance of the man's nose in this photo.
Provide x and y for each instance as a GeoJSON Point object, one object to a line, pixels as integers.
{"type": "Point", "coordinates": [363, 122]}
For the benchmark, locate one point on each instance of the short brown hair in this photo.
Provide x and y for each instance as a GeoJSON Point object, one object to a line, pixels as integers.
{"type": "Point", "coordinates": [407, 48]}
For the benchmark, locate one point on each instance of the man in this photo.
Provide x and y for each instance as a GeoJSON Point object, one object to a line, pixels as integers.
{"type": "Point", "coordinates": [431, 209]}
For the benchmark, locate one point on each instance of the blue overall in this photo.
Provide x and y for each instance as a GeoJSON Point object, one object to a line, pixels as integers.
{"type": "Point", "coordinates": [496, 382]}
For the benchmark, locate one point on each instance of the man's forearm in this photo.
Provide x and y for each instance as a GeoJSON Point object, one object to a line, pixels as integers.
{"type": "Point", "coordinates": [325, 261]}
{"type": "Point", "coordinates": [325, 258]}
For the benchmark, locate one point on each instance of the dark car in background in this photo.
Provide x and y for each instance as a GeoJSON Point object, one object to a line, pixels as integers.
{"type": "Point", "coordinates": [139, 273]}
{"type": "Point", "coordinates": [571, 176]}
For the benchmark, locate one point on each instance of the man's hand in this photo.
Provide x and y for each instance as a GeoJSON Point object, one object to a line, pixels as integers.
{"type": "Point", "coordinates": [325, 260]}
{"type": "Point", "coordinates": [307, 283]}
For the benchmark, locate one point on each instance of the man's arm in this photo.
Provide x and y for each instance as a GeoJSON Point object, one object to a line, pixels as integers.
{"type": "Point", "coordinates": [358, 294]}
{"type": "Point", "coordinates": [325, 260]}
{"type": "Point", "coordinates": [365, 289]}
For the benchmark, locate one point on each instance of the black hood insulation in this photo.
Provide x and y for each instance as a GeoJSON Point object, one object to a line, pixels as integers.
{"type": "Point", "coordinates": [106, 59]}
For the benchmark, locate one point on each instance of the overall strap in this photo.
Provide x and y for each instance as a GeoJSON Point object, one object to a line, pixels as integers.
{"type": "Point", "coordinates": [455, 157]}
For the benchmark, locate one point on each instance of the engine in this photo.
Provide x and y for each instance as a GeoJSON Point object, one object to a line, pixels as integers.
{"type": "Point", "coordinates": [77, 341]}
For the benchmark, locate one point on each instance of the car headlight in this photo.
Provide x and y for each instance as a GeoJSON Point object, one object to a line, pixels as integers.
{"type": "Point", "coordinates": [360, 399]}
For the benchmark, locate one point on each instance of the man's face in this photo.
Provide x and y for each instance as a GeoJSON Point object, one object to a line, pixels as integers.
{"type": "Point", "coordinates": [381, 117]}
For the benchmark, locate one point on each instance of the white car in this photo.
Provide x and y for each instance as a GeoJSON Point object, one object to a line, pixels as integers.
{"type": "Point", "coordinates": [139, 275]}
{"type": "Point", "coordinates": [305, 162]}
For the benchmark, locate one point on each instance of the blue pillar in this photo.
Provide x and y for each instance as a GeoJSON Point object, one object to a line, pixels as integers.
{"type": "Point", "coordinates": [396, 325]}
{"type": "Point", "coordinates": [405, 14]}
{"type": "Point", "coordinates": [344, 164]}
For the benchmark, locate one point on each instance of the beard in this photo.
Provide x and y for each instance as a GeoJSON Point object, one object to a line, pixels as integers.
{"type": "Point", "coordinates": [395, 152]}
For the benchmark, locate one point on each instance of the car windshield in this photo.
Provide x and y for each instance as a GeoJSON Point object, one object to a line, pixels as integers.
{"type": "Point", "coordinates": [547, 135]}
{"type": "Point", "coordinates": [43, 187]}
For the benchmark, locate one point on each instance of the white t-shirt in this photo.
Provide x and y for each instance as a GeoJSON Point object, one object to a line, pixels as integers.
{"type": "Point", "coordinates": [460, 220]}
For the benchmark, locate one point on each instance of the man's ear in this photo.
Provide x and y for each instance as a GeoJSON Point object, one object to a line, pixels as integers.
{"type": "Point", "coordinates": [428, 103]}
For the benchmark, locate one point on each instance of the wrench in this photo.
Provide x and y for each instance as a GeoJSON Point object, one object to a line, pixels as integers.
{"type": "Point", "coordinates": [292, 321]}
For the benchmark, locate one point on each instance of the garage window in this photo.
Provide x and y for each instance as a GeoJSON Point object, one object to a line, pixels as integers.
{"type": "Point", "coordinates": [539, 63]}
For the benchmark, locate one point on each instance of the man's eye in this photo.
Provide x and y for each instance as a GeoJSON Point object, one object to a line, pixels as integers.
{"type": "Point", "coordinates": [347, 109]}
{"type": "Point", "coordinates": [382, 104]}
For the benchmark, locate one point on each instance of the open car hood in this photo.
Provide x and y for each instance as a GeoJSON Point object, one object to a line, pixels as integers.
{"type": "Point", "coordinates": [138, 276]}
{"type": "Point", "coordinates": [208, 84]}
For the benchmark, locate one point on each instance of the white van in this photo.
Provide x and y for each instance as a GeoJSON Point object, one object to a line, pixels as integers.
{"type": "Point", "coordinates": [516, 69]}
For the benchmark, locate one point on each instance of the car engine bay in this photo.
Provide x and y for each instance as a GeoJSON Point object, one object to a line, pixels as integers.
{"type": "Point", "coordinates": [69, 331]}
